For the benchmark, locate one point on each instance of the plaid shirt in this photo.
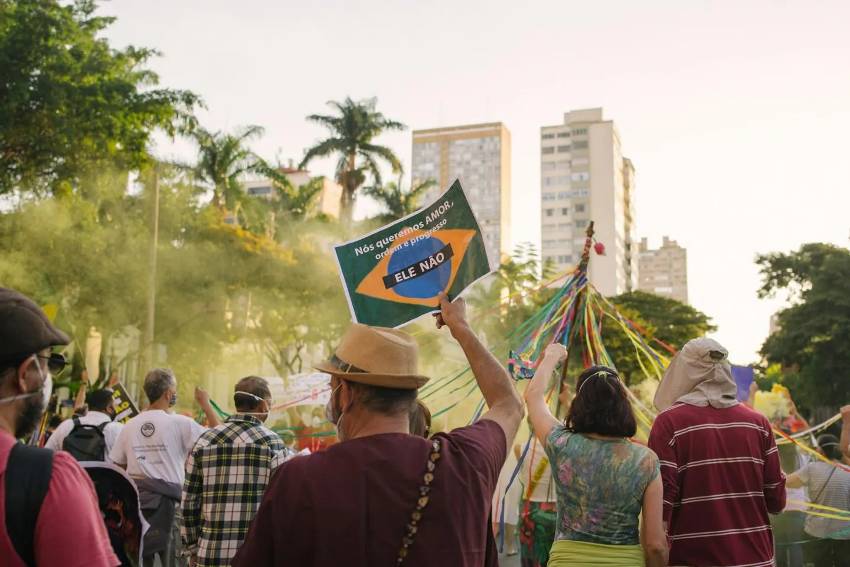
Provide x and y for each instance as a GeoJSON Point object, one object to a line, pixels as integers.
{"type": "Point", "coordinates": [226, 475]}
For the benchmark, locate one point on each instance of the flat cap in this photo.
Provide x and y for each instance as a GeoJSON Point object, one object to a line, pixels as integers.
{"type": "Point", "coordinates": [24, 327]}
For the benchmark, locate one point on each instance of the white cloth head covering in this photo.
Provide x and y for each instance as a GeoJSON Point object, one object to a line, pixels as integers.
{"type": "Point", "coordinates": [699, 375]}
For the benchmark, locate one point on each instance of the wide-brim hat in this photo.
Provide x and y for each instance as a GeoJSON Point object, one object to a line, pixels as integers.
{"type": "Point", "coordinates": [376, 356]}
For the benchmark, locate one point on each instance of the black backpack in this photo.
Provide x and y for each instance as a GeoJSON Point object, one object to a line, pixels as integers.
{"type": "Point", "coordinates": [86, 442]}
{"type": "Point", "coordinates": [28, 473]}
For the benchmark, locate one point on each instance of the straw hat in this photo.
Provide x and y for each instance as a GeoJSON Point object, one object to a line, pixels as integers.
{"type": "Point", "coordinates": [377, 356]}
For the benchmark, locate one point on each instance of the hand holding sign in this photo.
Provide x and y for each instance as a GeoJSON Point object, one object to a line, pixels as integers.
{"type": "Point", "coordinates": [396, 273]}
{"type": "Point", "coordinates": [452, 313]}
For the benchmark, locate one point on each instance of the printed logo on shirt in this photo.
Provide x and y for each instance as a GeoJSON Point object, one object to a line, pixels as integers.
{"type": "Point", "coordinates": [148, 429]}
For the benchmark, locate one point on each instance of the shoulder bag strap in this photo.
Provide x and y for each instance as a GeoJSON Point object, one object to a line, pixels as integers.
{"type": "Point", "coordinates": [28, 474]}
{"type": "Point", "coordinates": [822, 488]}
{"type": "Point", "coordinates": [421, 502]}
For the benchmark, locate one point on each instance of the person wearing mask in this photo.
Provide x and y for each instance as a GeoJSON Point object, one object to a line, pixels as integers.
{"type": "Point", "coordinates": [226, 474]}
{"type": "Point", "coordinates": [153, 447]}
{"type": "Point", "coordinates": [382, 496]}
{"type": "Point", "coordinates": [92, 436]}
{"type": "Point", "coordinates": [828, 484]}
{"type": "Point", "coordinates": [604, 482]}
{"type": "Point", "coordinates": [719, 463]}
{"type": "Point", "coordinates": [49, 499]}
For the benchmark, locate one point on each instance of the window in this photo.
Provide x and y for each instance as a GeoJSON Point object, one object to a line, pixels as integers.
{"type": "Point", "coordinates": [580, 132]}
{"type": "Point", "coordinates": [549, 165]}
{"type": "Point", "coordinates": [580, 145]}
{"type": "Point", "coordinates": [581, 223]}
{"type": "Point", "coordinates": [580, 176]}
{"type": "Point", "coordinates": [256, 191]}
{"type": "Point", "coordinates": [547, 151]}
{"type": "Point", "coordinates": [564, 149]}
{"type": "Point", "coordinates": [565, 259]}
{"type": "Point", "coordinates": [548, 136]}
{"type": "Point", "coordinates": [580, 208]}
{"type": "Point", "coordinates": [563, 134]}
{"type": "Point", "coordinates": [550, 212]}
{"type": "Point", "coordinates": [565, 210]}
{"type": "Point", "coordinates": [548, 197]}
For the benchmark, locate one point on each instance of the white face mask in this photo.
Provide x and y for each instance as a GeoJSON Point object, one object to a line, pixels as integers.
{"type": "Point", "coordinates": [46, 387]}
{"type": "Point", "coordinates": [46, 384]}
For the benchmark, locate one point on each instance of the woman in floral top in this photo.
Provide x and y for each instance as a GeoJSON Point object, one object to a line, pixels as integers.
{"type": "Point", "coordinates": [603, 481]}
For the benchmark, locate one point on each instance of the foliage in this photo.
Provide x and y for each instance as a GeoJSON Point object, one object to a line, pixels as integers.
{"type": "Point", "coordinates": [352, 133]}
{"type": "Point", "coordinates": [223, 159]}
{"type": "Point", "coordinates": [396, 202]}
{"type": "Point", "coordinates": [509, 296]}
{"type": "Point", "coordinates": [217, 284]}
{"type": "Point", "coordinates": [661, 319]}
{"type": "Point", "coordinates": [814, 331]}
{"type": "Point", "coordinates": [69, 102]}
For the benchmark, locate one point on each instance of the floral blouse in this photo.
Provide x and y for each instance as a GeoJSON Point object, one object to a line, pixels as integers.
{"type": "Point", "coordinates": [600, 486]}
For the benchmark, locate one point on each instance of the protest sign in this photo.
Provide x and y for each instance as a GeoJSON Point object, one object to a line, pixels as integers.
{"type": "Point", "coordinates": [125, 409]}
{"type": "Point", "coordinates": [392, 275]}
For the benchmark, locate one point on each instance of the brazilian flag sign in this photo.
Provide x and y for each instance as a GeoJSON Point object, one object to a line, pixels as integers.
{"type": "Point", "coordinates": [392, 276]}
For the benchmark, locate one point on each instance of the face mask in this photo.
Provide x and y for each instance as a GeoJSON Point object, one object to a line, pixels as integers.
{"type": "Point", "coordinates": [46, 384]}
{"type": "Point", "coordinates": [173, 400]}
{"type": "Point", "coordinates": [46, 388]}
{"type": "Point", "coordinates": [261, 414]}
{"type": "Point", "coordinates": [33, 408]}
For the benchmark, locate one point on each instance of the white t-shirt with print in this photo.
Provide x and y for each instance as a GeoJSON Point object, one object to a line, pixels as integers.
{"type": "Point", "coordinates": [110, 432]}
{"type": "Point", "coordinates": [155, 444]}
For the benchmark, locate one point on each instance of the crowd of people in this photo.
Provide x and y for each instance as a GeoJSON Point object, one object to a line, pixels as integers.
{"type": "Point", "coordinates": [391, 492]}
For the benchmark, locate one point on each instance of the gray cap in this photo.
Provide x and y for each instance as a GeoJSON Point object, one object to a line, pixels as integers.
{"type": "Point", "coordinates": [24, 328]}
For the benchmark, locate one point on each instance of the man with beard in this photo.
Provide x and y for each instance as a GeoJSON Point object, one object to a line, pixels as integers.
{"type": "Point", "coordinates": [49, 508]}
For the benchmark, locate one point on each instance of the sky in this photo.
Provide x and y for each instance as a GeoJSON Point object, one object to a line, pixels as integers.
{"type": "Point", "coordinates": [735, 114]}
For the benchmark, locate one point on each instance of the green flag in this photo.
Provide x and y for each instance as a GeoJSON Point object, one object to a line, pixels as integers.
{"type": "Point", "coordinates": [393, 275]}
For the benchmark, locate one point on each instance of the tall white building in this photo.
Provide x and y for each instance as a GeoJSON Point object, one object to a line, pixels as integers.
{"type": "Point", "coordinates": [480, 156]}
{"type": "Point", "coordinates": [664, 271]}
{"type": "Point", "coordinates": [584, 177]}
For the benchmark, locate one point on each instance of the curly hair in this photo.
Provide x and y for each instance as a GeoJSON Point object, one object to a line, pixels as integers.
{"type": "Point", "coordinates": [601, 405]}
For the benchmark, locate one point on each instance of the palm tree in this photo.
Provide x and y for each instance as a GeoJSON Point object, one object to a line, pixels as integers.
{"type": "Point", "coordinates": [222, 159]}
{"type": "Point", "coordinates": [294, 202]}
{"type": "Point", "coordinates": [398, 203]}
{"type": "Point", "coordinates": [351, 133]}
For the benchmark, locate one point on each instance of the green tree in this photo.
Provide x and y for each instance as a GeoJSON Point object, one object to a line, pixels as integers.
{"type": "Point", "coordinates": [352, 133]}
{"type": "Point", "coordinates": [814, 330]}
{"type": "Point", "coordinates": [223, 159]}
{"type": "Point", "coordinates": [69, 102]}
{"type": "Point", "coordinates": [397, 202]}
{"type": "Point", "coordinates": [660, 319]}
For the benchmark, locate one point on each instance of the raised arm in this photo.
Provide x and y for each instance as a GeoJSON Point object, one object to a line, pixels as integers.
{"type": "Point", "coordinates": [542, 420]}
{"type": "Point", "coordinates": [493, 380]}
{"type": "Point", "coordinates": [203, 399]}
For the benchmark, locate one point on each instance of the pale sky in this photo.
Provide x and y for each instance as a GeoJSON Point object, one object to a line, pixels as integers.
{"type": "Point", "coordinates": [735, 114]}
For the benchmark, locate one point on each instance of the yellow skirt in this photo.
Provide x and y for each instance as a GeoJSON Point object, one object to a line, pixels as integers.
{"type": "Point", "coordinates": [566, 553]}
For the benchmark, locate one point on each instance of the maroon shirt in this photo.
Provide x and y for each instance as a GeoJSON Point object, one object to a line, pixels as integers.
{"type": "Point", "coordinates": [721, 476]}
{"type": "Point", "coordinates": [349, 505]}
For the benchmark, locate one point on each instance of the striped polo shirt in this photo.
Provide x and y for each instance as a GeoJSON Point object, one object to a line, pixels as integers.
{"type": "Point", "coordinates": [721, 474]}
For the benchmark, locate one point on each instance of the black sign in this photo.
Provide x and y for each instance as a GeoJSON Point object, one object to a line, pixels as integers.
{"type": "Point", "coordinates": [420, 268]}
{"type": "Point", "coordinates": [125, 409]}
